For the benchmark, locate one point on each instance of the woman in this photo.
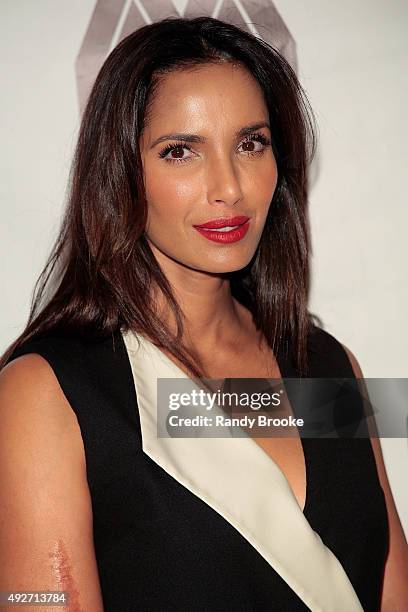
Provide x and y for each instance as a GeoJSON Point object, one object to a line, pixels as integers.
{"type": "Point", "coordinates": [189, 123]}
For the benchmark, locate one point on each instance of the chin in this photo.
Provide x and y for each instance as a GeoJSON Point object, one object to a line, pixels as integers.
{"type": "Point", "coordinates": [223, 267]}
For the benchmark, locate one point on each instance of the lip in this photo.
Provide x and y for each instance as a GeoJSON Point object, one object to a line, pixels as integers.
{"type": "Point", "coordinates": [223, 222]}
{"type": "Point", "coordinates": [226, 237]}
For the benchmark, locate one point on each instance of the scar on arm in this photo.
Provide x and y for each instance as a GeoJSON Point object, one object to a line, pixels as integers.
{"type": "Point", "coordinates": [62, 572]}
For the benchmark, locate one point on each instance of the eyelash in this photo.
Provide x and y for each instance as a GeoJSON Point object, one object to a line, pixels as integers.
{"type": "Point", "coordinates": [184, 145]}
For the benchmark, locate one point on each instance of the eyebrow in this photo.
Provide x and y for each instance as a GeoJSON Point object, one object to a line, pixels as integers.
{"type": "Point", "coordinates": [245, 131]}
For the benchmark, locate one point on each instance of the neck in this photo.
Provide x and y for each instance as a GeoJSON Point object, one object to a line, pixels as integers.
{"type": "Point", "coordinates": [213, 317]}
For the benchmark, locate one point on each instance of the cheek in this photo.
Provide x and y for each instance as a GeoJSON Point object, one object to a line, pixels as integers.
{"type": "Point", "coordinates": [170, 193]}
{"type": "Point", "coordinates": [261, 184]}
{"type": "Point", "coordinates": [271, 180]}
{"type": "Point", "coordinates": [269, 185]}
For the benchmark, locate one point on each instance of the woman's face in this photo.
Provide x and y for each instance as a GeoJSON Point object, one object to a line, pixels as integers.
{"type": "Point", "coordinates": [207, 156]}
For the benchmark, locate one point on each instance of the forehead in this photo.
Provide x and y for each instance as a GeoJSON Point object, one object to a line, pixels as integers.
{"type": "Point", "coordinates": [216, 94]}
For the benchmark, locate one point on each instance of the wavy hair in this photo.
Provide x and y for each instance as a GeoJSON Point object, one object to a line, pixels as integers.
{"type": "Point", "coordinates": [99, 277]}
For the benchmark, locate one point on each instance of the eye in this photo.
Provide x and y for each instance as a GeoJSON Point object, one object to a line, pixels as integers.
{"type": "Point", "coordinates": [252, 141]}
{"type": "Point", "coordinates": [177, 149]}
{"type": "Point", "coordinates": [173, 152]}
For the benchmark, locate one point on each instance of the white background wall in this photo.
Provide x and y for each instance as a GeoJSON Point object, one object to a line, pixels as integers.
{"type": "Point", "coordinates": [352, 59]}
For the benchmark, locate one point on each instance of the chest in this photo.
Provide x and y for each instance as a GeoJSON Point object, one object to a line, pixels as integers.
{"type": "Point", "coordinates": [287, 452]}
{"type": "Point", "coordinates": [162, 518]}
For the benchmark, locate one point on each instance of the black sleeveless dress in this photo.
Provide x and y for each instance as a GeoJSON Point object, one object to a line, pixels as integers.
{"type": "Point", "coordinates": [164, 544]}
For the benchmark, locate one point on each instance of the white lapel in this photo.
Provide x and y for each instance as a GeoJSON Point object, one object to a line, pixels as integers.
{"type": "Point", "coordinates": [246, 487]}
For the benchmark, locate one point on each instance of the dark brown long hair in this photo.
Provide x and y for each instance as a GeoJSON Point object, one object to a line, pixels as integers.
{"type": "Point", "coordinates": [101, 272]}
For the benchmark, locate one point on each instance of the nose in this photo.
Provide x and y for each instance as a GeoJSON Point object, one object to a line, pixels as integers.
{"type": "Point", "coordinates": [223, 182]}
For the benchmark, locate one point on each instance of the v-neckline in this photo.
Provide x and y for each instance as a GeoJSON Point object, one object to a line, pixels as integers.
{"type": "Point", "coordinates": [286, 370]}
{"type": "Point", "coordinates": [245, 486]}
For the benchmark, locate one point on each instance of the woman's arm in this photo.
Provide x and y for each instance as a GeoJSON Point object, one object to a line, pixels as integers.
{"type": "Point", "coordinates": [46, 535]}
{"type": "Point", "coordinates": [395, 590]}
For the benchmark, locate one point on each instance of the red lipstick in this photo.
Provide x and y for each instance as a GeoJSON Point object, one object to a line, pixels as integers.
{"type": "Point", "coordinates": [237, 228]}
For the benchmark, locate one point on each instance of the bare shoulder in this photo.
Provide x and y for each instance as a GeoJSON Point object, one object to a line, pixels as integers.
{"type": "Point", "coordinates": [46, 536]}
{"type": "Point", "coordinates": [32, 400]}
{"type": "Point", "coordinates": [354, 363]}
{"type": "Point", "coordinates": [395, 589]}
{"type": "Point", "coordinates": [375, 442]}
{"type": "Point", "coordinates": [28, 386]}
